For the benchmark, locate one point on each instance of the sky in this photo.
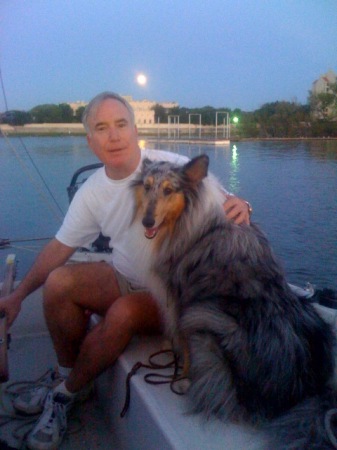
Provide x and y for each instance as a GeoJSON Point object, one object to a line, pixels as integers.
{"type": "Point", "coordinates": [222, 53]}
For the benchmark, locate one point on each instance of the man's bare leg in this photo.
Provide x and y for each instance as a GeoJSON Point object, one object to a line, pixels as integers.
{"type": "Point", "coordinates": [129, 315]}
{"type": "Point", "coordinates": [73, 289]}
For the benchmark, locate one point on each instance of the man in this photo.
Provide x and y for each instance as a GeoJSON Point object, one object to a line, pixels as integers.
{"type": "Point", "coordinates": [115, 291]}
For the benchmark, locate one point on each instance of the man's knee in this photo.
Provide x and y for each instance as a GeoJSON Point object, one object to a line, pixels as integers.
{"type": "Point", "coordinates": [59, 282]}
{"type": "Point", "coordinates": [136, 313]}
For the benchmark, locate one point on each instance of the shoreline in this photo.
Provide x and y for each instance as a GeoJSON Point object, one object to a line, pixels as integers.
{"type": "Point", "coordinates": [155, 132]}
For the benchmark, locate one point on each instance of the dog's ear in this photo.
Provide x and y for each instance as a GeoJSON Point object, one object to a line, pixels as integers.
{"type": "Point", "coordinates": [146, 163]}
{"type": "Point", "coordinates": [196, 169]}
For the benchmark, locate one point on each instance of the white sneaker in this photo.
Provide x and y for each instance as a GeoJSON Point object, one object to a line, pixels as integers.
{"type": "Point", "coordinates": [50, 429]}
{"type": "Point", "coordinates": [31, 398]}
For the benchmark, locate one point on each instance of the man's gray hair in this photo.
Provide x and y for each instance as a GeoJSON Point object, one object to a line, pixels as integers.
{"type": "Point", "coordinates": [96, 101]}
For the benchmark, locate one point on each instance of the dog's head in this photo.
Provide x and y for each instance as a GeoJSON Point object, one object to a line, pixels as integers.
{"type": "Point", "coordinates": [164, 189]}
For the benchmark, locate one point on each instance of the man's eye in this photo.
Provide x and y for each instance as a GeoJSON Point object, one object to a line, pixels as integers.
{"type": "Point", "coordinates": [167, 191]}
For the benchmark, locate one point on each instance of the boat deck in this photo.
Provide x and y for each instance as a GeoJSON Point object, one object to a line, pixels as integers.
{"type": "Point", "coordinates": [157, 418]}
{"type": "Point", "coordinates": [30, 355]}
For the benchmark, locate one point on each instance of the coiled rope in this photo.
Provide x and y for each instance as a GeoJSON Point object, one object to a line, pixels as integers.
{"type": "Point", "coordinates": [26, 423]}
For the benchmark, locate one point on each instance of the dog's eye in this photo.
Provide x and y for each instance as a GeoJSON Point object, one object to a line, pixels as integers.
{"type": "Point", "coordinates": [167, 191]}
{"type": "Point", "coordinates": [147, 187]}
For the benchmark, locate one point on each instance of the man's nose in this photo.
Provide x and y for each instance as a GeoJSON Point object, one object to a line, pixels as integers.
{"type": "Point", "coordinates": [113, 134]}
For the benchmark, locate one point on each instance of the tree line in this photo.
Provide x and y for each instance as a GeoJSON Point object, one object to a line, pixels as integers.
{"type": "Point", "coordinates": [278, 119]}
{"type": "Point", "coordinates": [47, 113]}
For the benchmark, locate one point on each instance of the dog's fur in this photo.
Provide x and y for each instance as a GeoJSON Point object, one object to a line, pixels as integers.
{"type": "Point", "coordinates": [256, 350]}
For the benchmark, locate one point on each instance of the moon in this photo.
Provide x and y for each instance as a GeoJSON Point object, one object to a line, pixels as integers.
{"type": "Point", "coordinates": [141, 79]}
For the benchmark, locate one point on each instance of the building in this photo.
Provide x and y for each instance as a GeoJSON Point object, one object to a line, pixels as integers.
{"type": "Point", "coordinates": [75, 105]}
{"type": "Point", "coordinates": [144, 112]}
{"type": "Point", "coordinates": [322, 85]}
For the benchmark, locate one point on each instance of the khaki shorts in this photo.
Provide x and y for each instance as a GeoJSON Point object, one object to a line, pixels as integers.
{"type": "Point", "coordinates": [125, 286]}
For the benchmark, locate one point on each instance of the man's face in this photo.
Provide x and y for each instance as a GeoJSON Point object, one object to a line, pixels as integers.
{"type": "Point", "coordinates": [113, 138]}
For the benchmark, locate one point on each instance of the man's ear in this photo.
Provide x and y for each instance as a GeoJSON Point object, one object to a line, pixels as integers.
{"type": "Point", "coordinates": [196, 169]}
{"type": "Point", "coordinates": [88, 140]}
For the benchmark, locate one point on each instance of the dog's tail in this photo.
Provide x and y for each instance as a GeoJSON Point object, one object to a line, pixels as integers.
{"type": "Point", "coordinates": [310, 425]}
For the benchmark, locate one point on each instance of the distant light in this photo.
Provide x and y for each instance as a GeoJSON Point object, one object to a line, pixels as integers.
{"type": "Point", "coordinates": [141, 79]}
{"type": "Point", "coordinates": [235, 119]}
{"type": "Point", "coordinates": [142, 143]}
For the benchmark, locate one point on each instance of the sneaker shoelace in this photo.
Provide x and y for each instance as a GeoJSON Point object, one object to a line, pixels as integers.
{"type": "Point", "coordinates": [47, 380]}
{"type": "Point", "coordinates": [54, 418]}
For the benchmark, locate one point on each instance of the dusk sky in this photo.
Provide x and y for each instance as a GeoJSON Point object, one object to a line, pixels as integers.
{"type": "Point", "coordinates": [223, 53]}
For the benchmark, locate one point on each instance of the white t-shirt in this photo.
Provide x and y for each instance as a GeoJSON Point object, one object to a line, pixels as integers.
{"type": "Point", "coordinates": [105, 205]}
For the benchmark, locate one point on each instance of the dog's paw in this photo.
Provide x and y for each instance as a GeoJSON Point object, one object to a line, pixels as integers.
{"type": "Point", "coordinates": [181, 385]}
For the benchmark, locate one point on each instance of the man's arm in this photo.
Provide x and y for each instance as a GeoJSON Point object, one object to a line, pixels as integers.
{"type": "Point", "coordinates": [53, 255]}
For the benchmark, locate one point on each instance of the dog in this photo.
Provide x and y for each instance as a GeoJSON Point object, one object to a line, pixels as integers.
{"type": "Point", "coordinates": [257, 352]}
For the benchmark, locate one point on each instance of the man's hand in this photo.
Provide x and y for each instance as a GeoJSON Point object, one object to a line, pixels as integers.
{"type": "Point", "coordinates": [12, 306]}
{"type": "Point", "coordinates": [53, 255]}
{"type": "Point", "coordinates": [237, 210]}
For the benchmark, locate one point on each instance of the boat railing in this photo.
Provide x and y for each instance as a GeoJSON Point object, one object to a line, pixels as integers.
{"type": "Point", "coordinates": [75, 182]}
{"type": "Point", "coordinates": [101, 244]}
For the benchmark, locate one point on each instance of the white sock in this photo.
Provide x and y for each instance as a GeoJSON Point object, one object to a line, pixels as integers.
{"type": "Point", "coordinates": [64, 371]}
{"type": "Point", "coordinates": [63, 390]}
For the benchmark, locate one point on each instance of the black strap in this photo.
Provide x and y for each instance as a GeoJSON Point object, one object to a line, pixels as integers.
{"type": "Point", "coordinates": [154, 378]}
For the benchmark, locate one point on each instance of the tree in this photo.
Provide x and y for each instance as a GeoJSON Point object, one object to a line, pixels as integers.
{"type": "Point", "coordinates": [46, 114]}
{"type": "Point", "coordinates": [282, 119]}
{"type": "Point", "coordinates": [160, 114]}
{"type": "Point", "coordinates": [67, 115]}
{"type": "Point", "coordinates": [79, 114]}
{"type": "Point", "coordinates": [247, 125]}
{"type": "Point", "coordinates": [16, 117]}
{"type": "Point", "coordinates": [324, 105]}
{"type": "Point", "coordinates": [61, 113]}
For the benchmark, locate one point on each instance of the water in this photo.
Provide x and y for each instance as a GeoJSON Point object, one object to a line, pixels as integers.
{"type": "Point", "coordinates": [291, 185]}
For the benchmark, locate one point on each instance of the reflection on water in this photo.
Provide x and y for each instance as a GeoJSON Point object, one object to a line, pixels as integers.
{"type": "Point", "coordinates": [291, 185]}
{"type": "Point", "coordinates": [233, 182]}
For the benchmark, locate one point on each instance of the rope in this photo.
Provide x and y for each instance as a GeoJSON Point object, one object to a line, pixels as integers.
{"type": "Point", "coordinates": [41, 177]}
{"type": "Point", "coordinates": [28, 249]}
{"type": "Point", "coordinates": [7, 243]}
{"type": "Point", "coordinates": [55, 209]}
{"type": "Point", "coordinates": [154, 378]}
{"type": "Point", "coordinates": [27, 423]}
{"type": "Point", "coordinates": [8, 415]}
{"type": "Point", "coordinates": [26, 240]}
{"type": "Point", "coordinates": [328, 427]}
{"type": "Point", "coordinates": [3, 90]}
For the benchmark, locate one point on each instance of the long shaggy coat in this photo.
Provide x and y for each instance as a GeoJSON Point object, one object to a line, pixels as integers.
{"type": "Point", "coordinates": [257, 351]}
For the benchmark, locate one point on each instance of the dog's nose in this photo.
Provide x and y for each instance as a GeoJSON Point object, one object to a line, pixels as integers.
{"type": "Point", "coordinates": [148, 222]}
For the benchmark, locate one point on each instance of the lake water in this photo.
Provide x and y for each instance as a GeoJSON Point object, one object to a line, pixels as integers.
{"type": "Point", "coordinates": [292, 187]}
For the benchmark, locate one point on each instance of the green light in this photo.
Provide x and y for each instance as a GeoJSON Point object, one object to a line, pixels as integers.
{"type": "Point", "coordinates": [235, 119]}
